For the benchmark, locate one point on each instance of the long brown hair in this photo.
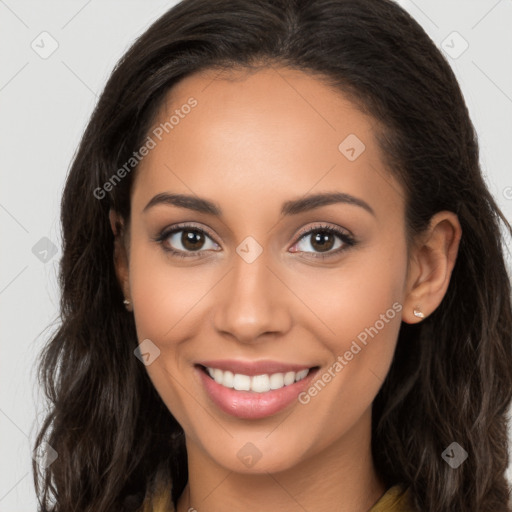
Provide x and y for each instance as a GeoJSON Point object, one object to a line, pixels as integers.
{"type": "Point", "coordinates": [451, 378]}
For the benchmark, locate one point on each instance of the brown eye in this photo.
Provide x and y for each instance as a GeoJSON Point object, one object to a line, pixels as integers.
{"type": "Point", "coordinates": [192, 240]}
{"type": "Point", "coordinates": [323, 241]}
{"type": "Point", "coordinates": [185, 241]}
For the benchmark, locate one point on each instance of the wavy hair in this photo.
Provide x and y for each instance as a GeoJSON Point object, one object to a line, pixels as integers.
{"type": "Point", "coordinates": [451, 377]}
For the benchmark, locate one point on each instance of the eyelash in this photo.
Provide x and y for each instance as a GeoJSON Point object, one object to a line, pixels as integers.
{"type": "Point", "coordinates": [348, 240]}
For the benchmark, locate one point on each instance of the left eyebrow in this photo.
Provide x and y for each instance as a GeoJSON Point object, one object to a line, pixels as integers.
{"type": "Point", "coordinates": [317, 200]}
{"type": "Point", "coordinates": [293, 207]}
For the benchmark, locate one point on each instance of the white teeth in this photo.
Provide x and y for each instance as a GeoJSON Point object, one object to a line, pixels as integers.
{"type": "Point", "coordinates": [217, 375]}
{"type": "Point", "coordinates": [260, 383]}
{"type": "Point", "coordinates": [257, 383]}
{"type": "Point", "coordinates": [241, 382]}
{"type": "Point", "coordinates": [276, 381]}
{"type": "Point", "coordinates": [289, 378]}
{"type": "Point", "coordinates": [228, 379]}
{"type": "Point", "coordinates": [300, 375]}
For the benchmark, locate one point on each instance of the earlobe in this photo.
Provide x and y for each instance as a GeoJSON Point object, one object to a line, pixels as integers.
{"type": "Point", "coordinates": [120, 257]}
{"type": "Point", "coordinates": [432, 262]}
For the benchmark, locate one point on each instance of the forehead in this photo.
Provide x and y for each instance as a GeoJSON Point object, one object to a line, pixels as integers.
{"type": "Point", "coordinates": [256, 135]}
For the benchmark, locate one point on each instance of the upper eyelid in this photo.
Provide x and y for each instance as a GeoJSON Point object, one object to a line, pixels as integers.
{"type": "Point", "coordinates": [338, 230]}
{"type": "Point", "coordinates": [166, 232]}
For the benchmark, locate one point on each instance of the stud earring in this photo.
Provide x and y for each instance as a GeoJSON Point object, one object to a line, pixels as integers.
{"type": "Point", "coordinates": [126, 302]}
{"type": "Point", "coordinates": [417, 312]}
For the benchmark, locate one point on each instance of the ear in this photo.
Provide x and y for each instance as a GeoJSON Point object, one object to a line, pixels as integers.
{"type": "Point", "coordinates": [121, 254]}
{"type": "Point", "coordinates": [430, 266]}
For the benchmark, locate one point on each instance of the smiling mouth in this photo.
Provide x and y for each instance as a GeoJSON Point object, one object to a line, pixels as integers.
{"type": "Point", "coordinates": [256, 383]}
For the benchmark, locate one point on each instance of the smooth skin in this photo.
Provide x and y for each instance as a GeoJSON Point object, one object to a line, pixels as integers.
{"type": "Point", "coordinates": [255, 141]}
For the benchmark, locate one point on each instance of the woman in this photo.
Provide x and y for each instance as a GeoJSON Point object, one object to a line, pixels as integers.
{"type": "Point", "coordinates": [283, 283]}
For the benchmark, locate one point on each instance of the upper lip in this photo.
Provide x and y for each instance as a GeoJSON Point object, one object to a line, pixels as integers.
{"type": "Point", "coordinates": [254, 367]}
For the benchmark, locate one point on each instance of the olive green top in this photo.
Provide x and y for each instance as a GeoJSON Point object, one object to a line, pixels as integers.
{"type": "Point", "coordinates": [396, 499]}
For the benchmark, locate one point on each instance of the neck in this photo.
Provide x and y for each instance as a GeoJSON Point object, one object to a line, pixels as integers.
{"type": "Point", "coordinates": [342, 476]}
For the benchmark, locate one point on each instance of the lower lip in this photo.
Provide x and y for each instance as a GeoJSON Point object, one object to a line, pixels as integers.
{"type": "Point", "coordinates": [249, 404]}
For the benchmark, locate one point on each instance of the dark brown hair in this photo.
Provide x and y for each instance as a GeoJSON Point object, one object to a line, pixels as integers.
{"type": "Point", "coordinates": [451, 377]}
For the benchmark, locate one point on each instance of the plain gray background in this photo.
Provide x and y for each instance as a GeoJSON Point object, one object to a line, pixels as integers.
{"type": "Point", "coordinates": [45, 102]}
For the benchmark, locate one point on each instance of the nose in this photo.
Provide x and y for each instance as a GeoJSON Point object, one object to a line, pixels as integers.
{"type": "Point", "coordinates": [253, 302]}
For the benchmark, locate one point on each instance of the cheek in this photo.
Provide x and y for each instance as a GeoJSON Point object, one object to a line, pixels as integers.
{"type": "Point", "coordinates": [168, 302]}
{"type": "Point", "coordinates": [366, 322]}
{"type": "Point", "coordinates": [359, 299]}
{"type": "Point", "coordinates": [357, 318]}
{"type": "Point", "coordinates": [165, 296]}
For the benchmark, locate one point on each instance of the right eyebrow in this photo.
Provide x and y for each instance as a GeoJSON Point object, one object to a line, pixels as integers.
{"type": "Point", "coordinates": [185, 201]}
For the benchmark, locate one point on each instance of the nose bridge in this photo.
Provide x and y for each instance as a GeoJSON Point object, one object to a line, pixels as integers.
{"type": "Point", "coordinates": [250, 302]}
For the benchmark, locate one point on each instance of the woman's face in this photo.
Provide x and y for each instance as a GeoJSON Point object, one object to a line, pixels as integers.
{"type": "Point", "coordinates": [290, 236]}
